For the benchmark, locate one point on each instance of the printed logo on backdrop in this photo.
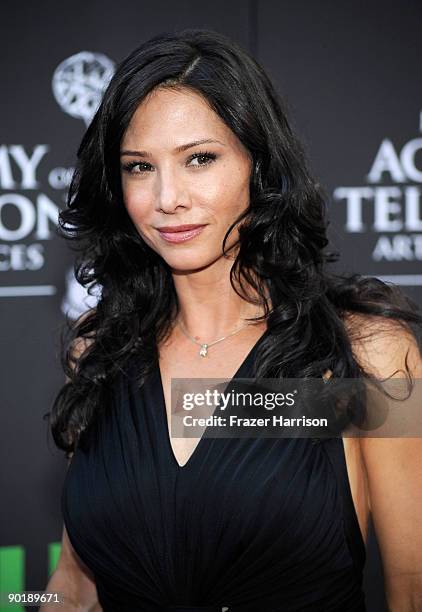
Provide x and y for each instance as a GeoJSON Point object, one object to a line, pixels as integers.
{"type": "Point", "coordinates": [32, 184]}
{"type": "Point", "coordinates": [79, 83]}
{"type": "Point", "coordinates": [387, 209]}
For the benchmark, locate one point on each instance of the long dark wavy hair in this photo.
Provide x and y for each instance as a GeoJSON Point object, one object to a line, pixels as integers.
{"type": "Point", "coordinates": [282, 238]}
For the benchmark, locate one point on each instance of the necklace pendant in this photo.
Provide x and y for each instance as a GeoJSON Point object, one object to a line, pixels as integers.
{"type": "Point", "coordinates": [204, 350]}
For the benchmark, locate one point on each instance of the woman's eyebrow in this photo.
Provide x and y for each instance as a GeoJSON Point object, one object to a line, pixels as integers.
{"type": "Point", "coordinates": [178, 149]}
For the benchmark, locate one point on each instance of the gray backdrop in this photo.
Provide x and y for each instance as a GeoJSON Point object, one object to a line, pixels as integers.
{"type": "Point", "coordinates": [351, 76]}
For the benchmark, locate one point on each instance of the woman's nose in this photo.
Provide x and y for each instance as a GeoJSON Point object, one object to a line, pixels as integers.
{"type": "Point", "coordinates": [171, 192]}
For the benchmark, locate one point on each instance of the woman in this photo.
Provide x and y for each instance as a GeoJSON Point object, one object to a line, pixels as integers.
{"type": "Point", "coordinates": [190, 151]}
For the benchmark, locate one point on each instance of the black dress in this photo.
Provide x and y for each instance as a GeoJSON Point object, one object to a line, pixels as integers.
{"type": "Point", "coordinates": [250, 524]}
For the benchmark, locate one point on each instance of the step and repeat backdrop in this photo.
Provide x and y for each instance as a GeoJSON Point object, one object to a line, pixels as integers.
{"type": "Point", "coordinates": [350, 74]}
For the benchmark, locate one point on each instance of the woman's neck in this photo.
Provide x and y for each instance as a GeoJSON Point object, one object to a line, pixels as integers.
{"type": "Point", "coordinates": [209, 307]}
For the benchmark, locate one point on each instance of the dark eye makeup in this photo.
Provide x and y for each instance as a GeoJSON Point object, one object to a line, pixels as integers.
{"type": "Point", "coordinates": [146, 167]}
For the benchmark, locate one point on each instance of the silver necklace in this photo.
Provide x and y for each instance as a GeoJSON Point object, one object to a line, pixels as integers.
{"type": "Point", "coordinates": [203, 352]}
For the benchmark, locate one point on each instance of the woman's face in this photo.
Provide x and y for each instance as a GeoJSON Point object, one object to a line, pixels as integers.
{"type": "Point", "coordinates": [170, 179]}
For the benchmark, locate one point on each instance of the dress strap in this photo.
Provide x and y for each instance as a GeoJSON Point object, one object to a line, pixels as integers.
{"type": "Point", "coordinates": [334, 448]}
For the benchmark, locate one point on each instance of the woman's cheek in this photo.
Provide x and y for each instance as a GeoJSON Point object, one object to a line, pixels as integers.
{"type": "Point", "coordinates": [137, 206]}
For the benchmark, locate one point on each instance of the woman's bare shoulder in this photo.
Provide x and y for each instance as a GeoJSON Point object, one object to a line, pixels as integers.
{"type": "Point", "coordinates": [73, 579]}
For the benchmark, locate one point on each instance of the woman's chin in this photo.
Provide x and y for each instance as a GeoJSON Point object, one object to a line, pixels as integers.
{"type": "Point", "coordinates": [189, 263]}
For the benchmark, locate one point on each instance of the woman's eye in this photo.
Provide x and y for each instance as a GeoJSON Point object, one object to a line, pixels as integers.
{"type": "Point", "coordinates": [202, 158]}
{"type": "Point", "coordinates": [141, 167]}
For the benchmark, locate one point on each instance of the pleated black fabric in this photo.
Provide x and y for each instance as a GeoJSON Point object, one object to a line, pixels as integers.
{"type": "Point", "coordinates": [249, 524]}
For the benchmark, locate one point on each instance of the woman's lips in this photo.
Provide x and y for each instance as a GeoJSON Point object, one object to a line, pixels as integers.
{"type": "Point", "coordinates": [181, 236]}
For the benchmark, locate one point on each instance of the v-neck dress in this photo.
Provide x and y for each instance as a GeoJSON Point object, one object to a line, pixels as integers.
{"type": "Point", "coordinates": [247, 524]}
